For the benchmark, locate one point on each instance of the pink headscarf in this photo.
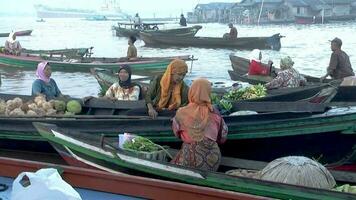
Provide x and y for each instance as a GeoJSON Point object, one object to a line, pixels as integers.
{"type": "Point", "coordinates": [40, 71]}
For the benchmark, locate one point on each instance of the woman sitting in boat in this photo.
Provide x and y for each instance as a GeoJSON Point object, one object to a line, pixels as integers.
{"type": "Point", "coordinates": [287, 77]}
{"type": "Point", "coordinates": [131, 50]}
{"type": "Point", "coordinates": [44, 84]}
{"type": "Point", "coordinates": [166, 92]}
{"type": "Point", "coordinates": [12, 46]}
{"type": "Point", "coordinates": [256, 67]}
{"type": "Point", "coordinates": [201, 128]}
{"type": "Point", "coordinates": [124, 89]}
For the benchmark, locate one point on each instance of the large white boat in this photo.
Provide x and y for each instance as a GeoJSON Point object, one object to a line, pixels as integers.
{"type": "Point", "coordinates": [110, 9]}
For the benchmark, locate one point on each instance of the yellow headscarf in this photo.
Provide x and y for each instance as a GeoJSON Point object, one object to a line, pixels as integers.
{"type": "Point", "coordinates": [171, 93]}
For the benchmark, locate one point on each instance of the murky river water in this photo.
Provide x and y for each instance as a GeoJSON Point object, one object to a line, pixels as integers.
{"type": "Point", "coordinates": [307, 44]}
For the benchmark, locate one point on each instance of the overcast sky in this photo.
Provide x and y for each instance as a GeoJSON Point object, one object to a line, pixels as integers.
{"type": "Point", "coordinates": [146, 8]}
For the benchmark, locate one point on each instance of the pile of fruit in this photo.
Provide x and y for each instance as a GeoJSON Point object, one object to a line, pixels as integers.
{"type": "Point", "coordinates": [38, 107]}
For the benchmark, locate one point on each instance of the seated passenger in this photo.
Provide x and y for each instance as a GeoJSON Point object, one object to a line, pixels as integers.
{"type": "Point", "coordinates": [256, 67]}
{"type": "Point", "coordinates": [124, 89]}
{"type": "Point", "coordinates": [287, 77]}
{"type": "Point", "coordinates": [44, 84]}
{"type": "Point", "coordinates": [12, 46]}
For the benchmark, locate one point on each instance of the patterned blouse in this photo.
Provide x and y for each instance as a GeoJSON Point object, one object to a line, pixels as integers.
{"type": "Point", "coordinates": [287, 78]}
{"type": "Point", "coordinates": [129, 94]}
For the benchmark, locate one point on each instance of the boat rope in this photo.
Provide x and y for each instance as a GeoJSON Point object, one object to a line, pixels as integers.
{"type": "Point", "coordinates": [3, 187]}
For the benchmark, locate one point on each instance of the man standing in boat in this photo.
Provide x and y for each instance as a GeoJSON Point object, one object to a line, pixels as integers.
{"type": "Point", "coordinates": [137, 21]}
{"type": "Point", "coordinates": [131, 50]}
{"type": "Point", "coordinates": [339, 66]}
{"type": "Point", "coordinates": [232, 34]}
{"type": "Point", "coordinates": [182, 21]}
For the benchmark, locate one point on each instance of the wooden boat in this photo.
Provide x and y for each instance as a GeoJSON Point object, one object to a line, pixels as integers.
{"type": "Point", "coordinates": [330, 134]}
{"type": "Point", "coordinates": [272, 42]}
{"type": "Point", "coordinates": [17, 33]}
{"type": "Point", "coordinates": [68, 53]}
{"type": "Point", "coordinates": [29, 62]}
{"type": "Point", "coordinates": [122, 31]}
{"type": "Point", "coordinates": [240, 67]}
{"type": "Point", "coordinates": [119, 183]}
{"type": "Point", "coordinates": [103, 153]}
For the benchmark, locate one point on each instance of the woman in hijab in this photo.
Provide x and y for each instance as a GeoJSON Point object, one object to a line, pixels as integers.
{"type": "Point", "coordinates": [12, 46]}
{"type": "Point", "coordinates": [287, 77]}
{"type": "Point", "coordinates": [44, 84]}
{"type": "Point", "coordinates": [256, 67]}
{"type": "Point", "coordinates": [168, 92]}
{"type": "Point", "coordinates": [201, 128]}
{"type": "Point", "coordinates": [124, 89]}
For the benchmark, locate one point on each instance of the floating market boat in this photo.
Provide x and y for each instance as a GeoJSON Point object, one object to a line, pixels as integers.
{"type": "Point", "coordinates": [119, 184]}
{"type": "Point", "coordinates": [240, 68]}
{"type": "Point", "coordinates": [310, 132]}
{"type": "Point", "coordinates": [142, 66]}
{"type": "Point", "coordinates": [105, 154]}
{"type": "Point", "coordinates": [122, 30]}
{"type": "Point", "coordinates": [17, 33]}
{"type": "Point", "coordinates": [273, 42]}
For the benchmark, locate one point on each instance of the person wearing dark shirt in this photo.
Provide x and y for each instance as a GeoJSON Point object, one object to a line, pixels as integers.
{"type": "Point", "coordinates": [232, 34]}
{"type": "Point", "coordinates": [339, 66]}
{"type": "Point", "coordinates": [183, 21]}
{"type": "Point", "coordinates": [44, 84]}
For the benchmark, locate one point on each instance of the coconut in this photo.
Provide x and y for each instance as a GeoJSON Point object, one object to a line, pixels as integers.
{"type": "Point", "coordinates": [298, 170]}
{"type": "Point", "coordinates": [18, 101]}
{"type": "Point", "coordinates": [31, 113]}
{"type": "Point", "coordinates": [2, 107]}
{"type": "Point", "coordinates": [51, 111]}
{"type": "Point", "coordinates": [39, 111]}
{"type": "Point", "coordinates": [59, 105]}
{"type": "Point", "coordinates": [10, 105]}
{"type": "Point", "coordinates": [25, 107]}
{"type": "Point", "coordinates": [32, 106]}
{"type": "Point", "coordinates": [39, 98]}
{"type": "Point", "coordinates": [17, 112]}
{"type": "Point", "coordinates": [40, 103]}
{"type": "Point", "coordinates": [47, 106]}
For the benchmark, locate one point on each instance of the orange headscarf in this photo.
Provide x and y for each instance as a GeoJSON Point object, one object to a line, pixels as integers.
{"type": "Point", "coordinates": [168, 89]}
{"type": "Point", "coordinates": [195, 116]}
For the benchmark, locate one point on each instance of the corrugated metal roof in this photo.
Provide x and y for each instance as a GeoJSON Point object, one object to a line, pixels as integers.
{"type": "Point", "coordinates": [214, 5]}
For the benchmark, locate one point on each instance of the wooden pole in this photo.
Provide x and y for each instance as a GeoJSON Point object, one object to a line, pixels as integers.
{"type": "Point", "coordinates": [259, 16]}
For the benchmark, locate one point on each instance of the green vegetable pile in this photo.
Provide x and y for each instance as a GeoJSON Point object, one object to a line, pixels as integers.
{"type": "Point", "coordinates": [252, 92]}
{"type": "Point", "coordinates": [141, 144]}
{"type": "Point", "coordinates": [224, 104]}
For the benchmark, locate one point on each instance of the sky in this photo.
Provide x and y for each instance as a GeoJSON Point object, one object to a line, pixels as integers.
{"type": "Point", "coordinates": [146, 8]}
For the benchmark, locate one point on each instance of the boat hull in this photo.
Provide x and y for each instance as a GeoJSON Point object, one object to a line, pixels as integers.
{"type": "Point", "coordinates": [272, 42]}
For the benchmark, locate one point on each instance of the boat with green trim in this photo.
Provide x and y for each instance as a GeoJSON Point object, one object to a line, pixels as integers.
{"type": "Point", "coordinates": [105, 154]}
{"type": "Point", "coordinates": [330, 134]}
{"type": "Point", "coordinates": [17, 33]}
{"type": "Point", "coordinates": [141, 66]}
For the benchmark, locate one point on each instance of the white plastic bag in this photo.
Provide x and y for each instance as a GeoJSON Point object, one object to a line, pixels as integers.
{"type": "Point", "coordinates": [44, 184]}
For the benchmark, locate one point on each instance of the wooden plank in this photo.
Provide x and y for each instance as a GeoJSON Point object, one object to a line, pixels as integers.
{"type": "Point", "coordinates": [279, 106]}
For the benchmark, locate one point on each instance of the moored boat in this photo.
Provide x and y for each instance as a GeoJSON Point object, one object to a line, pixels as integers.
{"type": "Point", "coordinates": [119, 184]}
{"type": "Point", "coordinates": [145, 66]}
{"type": "Point", "coordinates": [121, 30]}
{"type": "Point", "coordinates": [273, 42]}
{"type": "Point", "coordinates": [17, 33]}
{"type": "Point", "coordinates": [97, 151]}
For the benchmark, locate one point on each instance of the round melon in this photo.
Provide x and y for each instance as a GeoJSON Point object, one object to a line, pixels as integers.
{"type": "Point", "coordinates": [74, 106]}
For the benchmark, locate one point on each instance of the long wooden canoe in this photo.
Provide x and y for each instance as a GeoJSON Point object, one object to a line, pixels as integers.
{"type": "Point", "coordinates": [119, 183]}
{"type": "Point", "coordinates": [330, 134]}
{"type": "Point", "coordinates": [186, 31]}
{"type": "Point", "coordinates": [104, 154]}
{"type": "Point", "coordinates": [272, 42]}
{"type": "Point", "coordinates": [29, 62]}
{"type": "Point", "coordinates": [240, 68]}
{"type": "Point", "coordinates": [17, 33]}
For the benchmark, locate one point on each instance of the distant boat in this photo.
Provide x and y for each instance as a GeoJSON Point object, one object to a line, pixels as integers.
{"type": "Point", "coordinates": [40, 20]}
{"type": "Point", "coordinates": [109, 10]}
{"type": "Point", "coordinates": [17, 33]}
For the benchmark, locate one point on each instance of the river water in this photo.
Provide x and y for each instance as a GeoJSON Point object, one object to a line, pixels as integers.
{"type": "Point", "coordinates": [308, 45]}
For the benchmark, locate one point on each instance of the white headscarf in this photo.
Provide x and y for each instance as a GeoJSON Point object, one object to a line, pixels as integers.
{"type": "Point", "coordinates": [10, 39]}
{"type": "Point", "coordinates": [255, 55]}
